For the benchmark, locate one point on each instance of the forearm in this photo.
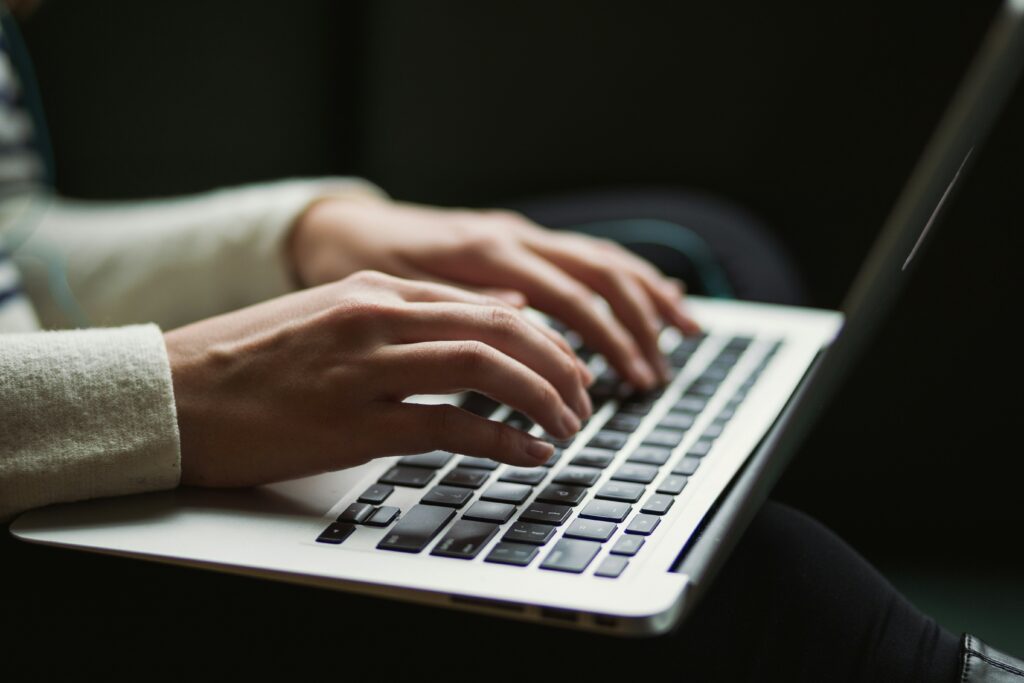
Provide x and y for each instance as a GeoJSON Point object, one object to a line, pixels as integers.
{"type": "Point", "coordinates": [169, 261]}
{"type": "Point", "coordinates": [85, 414]}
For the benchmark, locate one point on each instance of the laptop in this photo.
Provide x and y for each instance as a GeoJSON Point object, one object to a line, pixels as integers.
{"type": "Point", "coordinates": [625, 527]}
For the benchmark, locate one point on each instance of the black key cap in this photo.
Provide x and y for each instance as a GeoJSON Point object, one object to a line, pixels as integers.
{"type": "Point", "coordinates": [669, 438]}
{"type": "Point", "coordinates": [620, 490]}
{"type": "Point", "coordinates": [524, 475]}
{"type": "Point", "coordinates": [336, 533]}
{"type": "Point", "coordinates": [516, 554]}
{"type": "Point", "coordinates": [466, 477]}
{"type": "Point", "coordinates": [611, 567]}
{"type": "Point", "coordinates": [559, 443]}
{"type": "Point", "coordinates": [637, 406]}
{"type": "Point", "coordinates": [577, 476]}
{"type": "Point", "coordinates": [687, 466]}
{"type": "Point", "coordinates": [553, 460]}
{"type": "Point", "coordinates": [478, 404]}
{"type": "Point", "coordinates": [562, 494]}
{"type": "Point", "coordinates": [713, 431]}
{"type": "Point", "coordinates": [672, 484]}
{"type": "Point", "coordinates": [356, 513]}
{"type": "Point", "coordinates": [701, 448]}
{"type": "Point", "coordinates": [593, 457]}
{"type": "Point", "coordinates": [433, 460]}
{"type": "Point", "coordinates": [631, 471]}
{"type": "Point", "coordinates": [675, 420]}
{"type": "Point", "coordinates": [478, 463]}
{"type": "Point", "coordinates": [449, 496]}
{"type": "Point", "coordinates": [608, 510]}
{"type": "Point", "coordinates": [383, 516]}
{"type": "Point", "coordinates": [376, 494]}
{"type": "Point", "coordinates": [702, 388]}
{"type": "Point", "coordinates": [650, 455]}
{"type": "Point", "coordinates": [519, 421]}
{"type": "Point", "coordinates": [658, 504]}
{"type": "Point", "coordinates": [627, 545]}
{"type": "Point", "coordinates": [608, 440]}
{"type": "Point", "coordinates": [416, 477]}
{"type": "Point", "coordinates": [590, 529]}
{"type": "Point", "coordinates": [417, 528]}
{"type": "Point", "coordinates": [725, 414]}
{"type": "Point", "coordinates": [504, 492]}
{"type": "Point", "coordinates": [643, 524]}
{"type": "Point", "coordinates": [484, 511]}
{"type": "Point", "coordinates": [690, 404]}
{"type": "Point", "coordinates": [525, 532]}
{"type": "Point", "coordinates": [624, 422]}
{"type": "Point", "coordinates": [465, 539]}
{"type": "Point", "coordinates": [570, 555]}
{"type": "Point", "coordinates": [546, 513]}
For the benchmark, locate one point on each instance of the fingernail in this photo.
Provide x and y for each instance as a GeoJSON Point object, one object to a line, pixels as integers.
{"type": "Point", "coordinates": [588, 407]}
{"type": "Point", "coordinates": [570, 423]}
{"type": "Point", "coordinates": [539, 450]}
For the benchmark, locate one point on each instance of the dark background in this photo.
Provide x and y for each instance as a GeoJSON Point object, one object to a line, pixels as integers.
{"type": "Point", "coordinates": [810, 115]}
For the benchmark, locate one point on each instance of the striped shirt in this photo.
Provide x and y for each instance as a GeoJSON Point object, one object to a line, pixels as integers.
{"type": "Point", "coordinates": [22, 173]}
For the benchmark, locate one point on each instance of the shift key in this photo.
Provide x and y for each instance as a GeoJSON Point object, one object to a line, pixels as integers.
{"type": "Point", "coordinates": [417, 528]}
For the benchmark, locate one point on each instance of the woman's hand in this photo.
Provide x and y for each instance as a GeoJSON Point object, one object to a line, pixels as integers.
{"type": "Point", "coordinates": [507, 255]}
{"type": "Point", "coordinates": [314, 381]}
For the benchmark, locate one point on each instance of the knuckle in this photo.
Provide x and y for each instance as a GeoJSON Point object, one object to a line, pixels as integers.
{"type": "Point", "coordinates": [472, 354]}
{"type": "Point", "coordinates": [503, 321]}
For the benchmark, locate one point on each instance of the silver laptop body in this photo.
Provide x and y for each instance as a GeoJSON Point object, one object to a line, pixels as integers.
{"type": "Point", "coordinates": [661, 486]}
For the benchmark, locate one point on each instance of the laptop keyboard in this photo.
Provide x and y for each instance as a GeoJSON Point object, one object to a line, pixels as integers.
{"type": "Point", "coordinates": [567, 510]}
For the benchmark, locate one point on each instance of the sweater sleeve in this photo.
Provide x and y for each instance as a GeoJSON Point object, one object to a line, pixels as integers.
{"type": "Point", "coordinates": [84, 414]}
{"type": "Point", "coordinates": [168, 261]}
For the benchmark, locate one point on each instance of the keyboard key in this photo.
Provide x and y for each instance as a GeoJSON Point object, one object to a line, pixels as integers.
{"type": "Point", "coordinates": [687, 466]}
{"type": "Point", "coordinates": [650, 455]}
{"type": "Point", "coordinates": [590, 529]}
{"type": "Point", "coordinates": [516, 554]}
{"type": "Point", "coordinates": [376, 494]}
{"type": "Point", "coordinates": [611, 567]}
{"type": "Point", "coordinates": [672, 484]}
{"type": "Point", "coordinates": [690, 404]}
{"type": "Point", "coordinates": [417, 528]}
{"type": "Point", "coordinates": [643, 524]}
{"type": "Point", "coordinates": [484, 511]}
{"type": "Point", "coordinates": [519, 421]}
{"type": "Point", "coordinates": [675, 420]}
{"type": "Point", "coordinates": [383, 516]}
{"type": "Point", "coordinates": [416, 477]}
{"type": "Point", "coordinates": [570, 555]}
{"type": "Point", "coordinates": [553, 460]}
{"type": "Point", "coordinates": [356, 513]}
{"type": "Point", "coordinates": [658, 504]}
{"type": "Point", "coordinates": [635, 472]}
{"type": "Point", "coordinates": [466, 477]}
{"type": "Point", "coordinates": [546, 513]}
{"type": "Point", "coordinates": [577, 476]}
{"type": "Point", "coordinates": [449, 496]}
{"type": "Point", "coordinates": [433, 460]}
{"type": "Point", "coordinates": [725, 414]}
{"type": "Point", "coordinates": [637, 406]}
{"type": "Point", "coordinates": [478, 463]}
{"type": "Point", "coordinates": [627, 545]}
{"type": "Point", "coordinates": [562, 494]}
{"type": "Point", "coordinates": [465, 539]}
{"type": "Point", "coordinates": [504, 492]}
{"type": "Point", "coordinates": [608, 440]}
{"type": "Point", "coordinates": [478, 404]}
{"type": "Point", "coordinates": [669, 438]}
{"type": "Point", "coordinates": [593, 457]}
{"type": "Point", "coordinates": [525, 532]}
{"type": "Point", "coordinates": [702, 388]}
{"type": "Point", "coordinates": [713, 431]}
{"type": "Point", "coordinates": [608, 510]}
{"type": "Point", "coordinates": [620, 490]}
{"type": "Point", "coordinates": [701, 448]}
{"type": "Point", "coordinates": [624, 422]}
{"type": "Point", "coordinates": [336, 533]}
{"type": "Point", "coordinates": [524, 475]}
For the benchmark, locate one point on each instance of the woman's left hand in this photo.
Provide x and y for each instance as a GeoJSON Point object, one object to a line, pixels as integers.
{"type": "Point", "coordinates": [504, 254]}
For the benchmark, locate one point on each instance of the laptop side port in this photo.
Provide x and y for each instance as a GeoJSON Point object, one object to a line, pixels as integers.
{"type": "Point", "coordinates": [559, 614]}
{"type": "Point", "coordinates": [488, 604]}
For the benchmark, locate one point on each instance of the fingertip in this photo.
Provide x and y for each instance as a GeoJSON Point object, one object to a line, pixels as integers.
{"type": "Point", "coordinates": [539, 451]}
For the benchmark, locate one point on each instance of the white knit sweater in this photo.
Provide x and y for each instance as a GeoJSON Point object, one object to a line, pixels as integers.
{"type": "Point", "coordinates": [87, 413]}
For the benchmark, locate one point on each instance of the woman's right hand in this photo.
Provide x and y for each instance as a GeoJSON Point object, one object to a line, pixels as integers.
{"type": "Point", "coordinates": [315, 381]}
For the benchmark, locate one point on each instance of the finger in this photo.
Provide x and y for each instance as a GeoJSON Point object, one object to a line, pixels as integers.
{"type": "Point", "coordinates": [672, 308]}
{"type": "Point", "coordinates": [508, 331]}
{"type": "Point", "coordinates": [448, 367]}
{"type": "Point", "coordinates": [427, 290]}
{"type": "Point", "coordinates": [554, 291]}
{"type": "Point", "coordinates": [406, 428]}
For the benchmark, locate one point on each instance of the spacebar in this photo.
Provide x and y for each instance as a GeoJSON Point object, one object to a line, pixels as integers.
{"type": "Point", "coordinates": [417, 528]}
